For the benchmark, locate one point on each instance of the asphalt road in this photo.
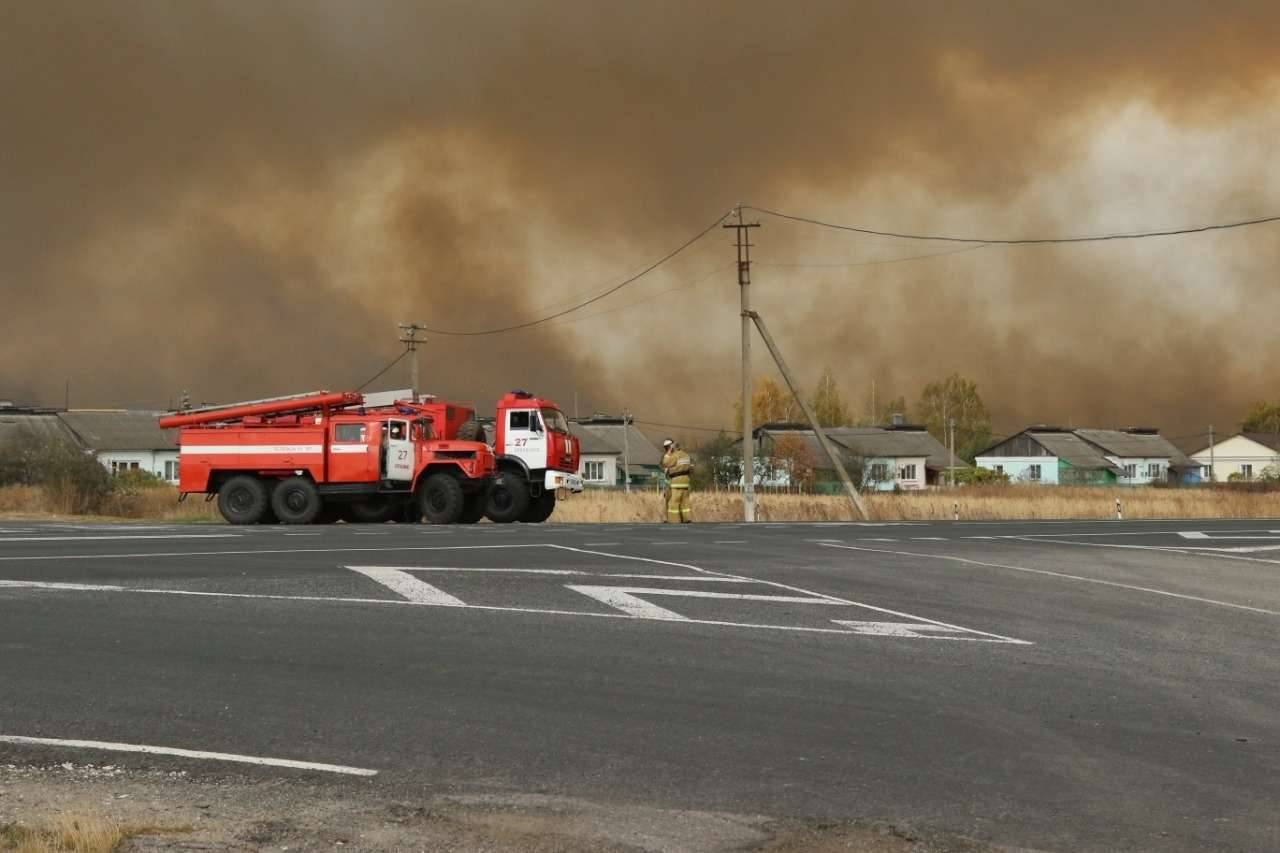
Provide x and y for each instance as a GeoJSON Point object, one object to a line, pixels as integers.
{"type": "Point", "coordinates": [1059, 686]}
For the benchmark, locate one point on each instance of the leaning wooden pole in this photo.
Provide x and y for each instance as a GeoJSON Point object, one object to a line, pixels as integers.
{"type": "Point", "coordinates": [859, 507]}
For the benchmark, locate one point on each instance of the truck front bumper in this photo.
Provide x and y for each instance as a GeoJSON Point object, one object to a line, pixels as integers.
{"type": "Point", "coordinates": [555, 480]}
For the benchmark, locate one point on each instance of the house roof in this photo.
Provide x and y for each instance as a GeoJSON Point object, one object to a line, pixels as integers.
{"type": "Point", "coordinates": [1135, 445]}
{"type": "Point", "coordinates": [1266, 439]}
{"type": "Point", "coordinates": [20, 428]}
{"type": "Point", "coordinates": [118, 430]}
{"type": "Point", "coordinates": [1075, 451]}
{"type": "Point", "coordinates": [606, 439]}
{"type": "Point", "coordinates": [875, 442]}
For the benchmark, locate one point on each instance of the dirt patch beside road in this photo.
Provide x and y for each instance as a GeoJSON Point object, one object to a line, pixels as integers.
{"type": "Point", "coordinates": [248, 815]}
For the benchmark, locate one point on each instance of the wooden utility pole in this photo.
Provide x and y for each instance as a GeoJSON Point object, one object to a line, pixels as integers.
{"type": "Point", "coordinates": [626, 450]}
{"type": "Point", "coordinates": [411, 341]}
{"type": "Point", "coordinates": [1213, 471]}
{"type": "Point", "coordinates": [744, 287]}
{"type": "Point", "coordinates": [854, 498]}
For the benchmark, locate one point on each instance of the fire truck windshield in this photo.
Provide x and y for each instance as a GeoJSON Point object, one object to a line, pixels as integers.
{"type": "Point", "coordinates": [555, 421]}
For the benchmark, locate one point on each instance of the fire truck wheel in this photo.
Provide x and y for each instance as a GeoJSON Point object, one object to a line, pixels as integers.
{"type": "Point", "coordinates": [540, 508]}
{"type": "Point", "coordinates": [296, 501]}
{"type": "Point", "coordinates": [373, 510]}
{"type": "Point", "coordinates": [473, 508]}
{"type": "Point", "coordinates": [471, 431]}
{"type": "Point", "coordinates": [441, 499]}
{"type": "Point", "coordinates": [243, 500]}
{"type": "Point", "coordinates": [508, 498]}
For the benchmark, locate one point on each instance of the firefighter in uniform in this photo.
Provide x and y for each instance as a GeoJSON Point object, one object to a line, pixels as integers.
{"type": "Point", "coordinates": [677, 465]}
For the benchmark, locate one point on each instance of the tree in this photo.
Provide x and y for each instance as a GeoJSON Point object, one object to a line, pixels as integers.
{"type": "Point", "coordinates": [956, 398]}
{"type": "Point", "coordinates": [828, 405]}
{"type": "Point", "coordinates": [770, 403]}
{"type": "Point", "coordinates": [790, 453]}
{"type": "Point", "coordinates": [1262, 417]}
{"type": "Point", "coordinates": [717, 462]}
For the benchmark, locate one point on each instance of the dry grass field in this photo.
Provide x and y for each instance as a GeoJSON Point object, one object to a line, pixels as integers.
{"type": "Point", "coordinates": [983, 503]}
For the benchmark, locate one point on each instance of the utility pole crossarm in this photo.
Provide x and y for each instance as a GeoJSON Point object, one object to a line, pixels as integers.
{"type": "Point", "coordinates": [854, 498]}
{"type": "Point", "coordinates": [411, 341]}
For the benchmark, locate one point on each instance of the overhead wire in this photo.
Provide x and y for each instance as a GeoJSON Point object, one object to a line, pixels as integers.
{"type": "Point", "coordinates": [1018, 241]}
{"type": "Point", "coordinates": [555, 315]}
{"type": "Point", "coordinates": [375, 376]}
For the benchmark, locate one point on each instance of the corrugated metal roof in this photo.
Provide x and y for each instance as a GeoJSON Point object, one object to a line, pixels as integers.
{"type": "Point", "coordinates": [119, 430]}
{"type": "Point", "coordinates": [607, 439]}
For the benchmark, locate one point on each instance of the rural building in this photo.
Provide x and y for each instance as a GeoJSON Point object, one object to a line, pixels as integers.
{"type": "Point", "coordinates": [603, 441]}
{"type": "Point", "coordinates": [902, 456]}
{"type": "Point", "coordinates": [1243, 456]}
{"type": "Point", "coordinates": [1051, 455]}
{"type": "Point", "coordinates": [125, 440]}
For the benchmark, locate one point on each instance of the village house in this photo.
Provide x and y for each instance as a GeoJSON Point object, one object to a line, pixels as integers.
{"type": "Point", "coordinates": [606, 444]}
{"type": "Point", "coordinates": [1050, 455]}
{"type": "Point", "coordinates": [1244, 456]}
{"type": "Point", "coordinates": [901, 456]}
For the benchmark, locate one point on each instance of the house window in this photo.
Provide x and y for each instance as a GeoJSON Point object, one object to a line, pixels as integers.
{"type": "Point", "coordinates": [1246, 471]}
{"type": "Point", "coordinates": [907, 472]}
{"type": "Point", "coordinates": [593, 470]}
{"type": "Point", "coordinates": [1153, 470]}
{"type": "Point", "coordinates": [1131, 471]}
{"type": "Point", "coordinates": [879, 472]}
{"type": "Point", "coordinates": [1033, 473]}
{"type": "Point", "coordinates": [171, 470]}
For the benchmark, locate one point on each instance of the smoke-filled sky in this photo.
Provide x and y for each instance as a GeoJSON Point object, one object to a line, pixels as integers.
{"type": "Point", "coordinates": [242, 199]}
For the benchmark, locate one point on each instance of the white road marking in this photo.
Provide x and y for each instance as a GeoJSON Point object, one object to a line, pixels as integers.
{"type": "Point", "coordinates": [898, 629]}
{"type": "Point", "coordinates": [1065, 576]}
{"type": "Point", "coordinates": [403, 602]}
{"type": "Point", "coordinates": [119, 536]}
{"type": "Point", "coordinates": [623, 599]}
{"type": "Point", "coordinates": [186, 753]}
{"type": "Point", "coordinates": [403, 583]}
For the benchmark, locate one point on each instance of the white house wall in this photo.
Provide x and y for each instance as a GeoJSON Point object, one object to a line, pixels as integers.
{"type": "Point", "coordinates": [1018, 468]}
{"type": "Point", "coordinates": [1142, 463]}
{"type": "Point", "coordinates": [1229, 455]}
{"type": "Point", "coordinates": [151, 461]}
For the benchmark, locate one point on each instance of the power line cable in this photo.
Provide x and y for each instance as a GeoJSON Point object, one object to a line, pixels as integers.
{"type": "Point", "coordinates": [384, 370]}
{"type": "Point", "coordinates": [630, 280]}
{"type": "Point", "coordinates": [875, 263]}
{"type": "Point", "coordinates": [1093, 238]}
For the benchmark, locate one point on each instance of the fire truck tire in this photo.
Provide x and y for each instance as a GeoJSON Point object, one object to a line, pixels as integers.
{"type": "Point", "coordinates": [374, 510]}
{"type": "Point", "coordinates": [540, 508]}
{"type": "Point", "coordinates": [508, 498]}
{"type": "Point", "coordinates": [471, 431]}
{"type": "Point", "coordinates": [296, 501]}
{"type": "Point", "coordinates": [243, 500]}
{"type": "Point", "coordinates": [473, 508]}
{"type": "Point", "coordinates": [440, 498]}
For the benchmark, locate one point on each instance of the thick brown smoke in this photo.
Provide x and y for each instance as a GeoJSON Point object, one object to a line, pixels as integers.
{"type": "Point", "coordinates": [242, 199]}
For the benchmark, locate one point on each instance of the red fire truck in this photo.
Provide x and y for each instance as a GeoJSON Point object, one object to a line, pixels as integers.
{"type": "Point", "coordinates": [537, 457]}
{"type": "Point", "coordinates": [324, 456]}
